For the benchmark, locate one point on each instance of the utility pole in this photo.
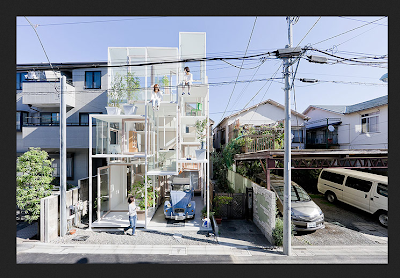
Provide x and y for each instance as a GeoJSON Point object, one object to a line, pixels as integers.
{"type": "Point", "coordinates": [287, 227]}
{"type": "Point", "coordinates": [63, 159]}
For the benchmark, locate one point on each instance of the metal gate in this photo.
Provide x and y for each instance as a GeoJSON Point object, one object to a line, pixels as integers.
{"type": "Point", "coordinates": [236, 208]}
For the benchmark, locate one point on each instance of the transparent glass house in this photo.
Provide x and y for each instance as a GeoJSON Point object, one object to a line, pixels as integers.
{"type": "Point", "coordinates": [149, 144]}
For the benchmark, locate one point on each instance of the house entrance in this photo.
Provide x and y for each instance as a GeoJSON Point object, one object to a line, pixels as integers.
{"type": "Point", "coordinates": [236, 208]}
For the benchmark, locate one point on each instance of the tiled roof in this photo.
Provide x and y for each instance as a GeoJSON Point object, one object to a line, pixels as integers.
{"type": "Point", "coordinates": [343, 109]}
{"type": "Point", "coordinates": [367, 104]}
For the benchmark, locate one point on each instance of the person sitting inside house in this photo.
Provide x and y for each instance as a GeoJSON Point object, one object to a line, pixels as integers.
{"type": "Point", "coordinates": [156, 97]}
{"type": "Point", "coordinates": [187, 80]}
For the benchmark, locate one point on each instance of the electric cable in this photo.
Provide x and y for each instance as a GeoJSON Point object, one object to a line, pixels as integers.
{"type": "Point", "coordinates": [349, 30]}
{"type": "Point", "coordinates": [255, 20]}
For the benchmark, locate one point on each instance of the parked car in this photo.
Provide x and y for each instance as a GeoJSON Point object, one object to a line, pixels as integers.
{"type": "Point", "coordinates": [362, 190]}
{"type": "Point", "coordinates": [306, 215]}
{"type": "Point", "coordinates": [180, 205]}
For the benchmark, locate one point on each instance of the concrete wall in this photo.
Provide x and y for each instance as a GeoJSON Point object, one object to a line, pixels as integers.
{"type": "Point", "coordinates": [50, 213]}
{"type": "Point", "coordinates": [264, 208]}
{"type": "Point", "coordinates": [264, 203]}
{"type": "Point", "coordinates": [49, 224]}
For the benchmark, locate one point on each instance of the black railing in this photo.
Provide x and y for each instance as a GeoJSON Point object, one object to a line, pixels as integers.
{"type": "Point", "coordinates": [55, 124]}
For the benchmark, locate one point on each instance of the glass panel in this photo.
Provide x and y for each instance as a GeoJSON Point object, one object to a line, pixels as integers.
{"type": "Point", "coordinates": [101, 137]}
{"type": "Point", "coordinates": [382, 189]}
{"type": "Point", "coordinates": [358, 184]}
{"type": "Point", "coordinates": [18, 120]}
{"type": "Point", "coordinates": [97, 80]}
{"type": "Point", "coordinates": [84, 119]}
{"type": "Point", "coordinates": [88, 80]}
{"type": "Point", "coordinates": [45, 119]}
{"type": "Point", "coordinates": [55, 118]}
{"type": "Point", "coordinates": [104, 201]}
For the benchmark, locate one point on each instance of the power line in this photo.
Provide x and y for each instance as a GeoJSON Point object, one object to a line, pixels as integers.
{"type": "Point", "coordinates": [95, 21]}
{"type": "Point", "coordinates": [362, 20]}
{"type": "Point", "coordinates": [349, 31]}
{"type": "Point", "coordinates": [255, 20]}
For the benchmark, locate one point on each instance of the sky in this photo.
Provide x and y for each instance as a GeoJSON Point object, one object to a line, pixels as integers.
{"type": "Point", "coordinates": [86, 39]}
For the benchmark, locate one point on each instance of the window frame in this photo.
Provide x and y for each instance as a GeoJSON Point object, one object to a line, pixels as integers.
{"type": "Point", "coordinates": [55, 123]}
{"type": "Point", "coordinates": [330, 175]}
{"type": "Point", "coordinates": [19, 81]}
{"type": "Point", "coordinates": [88, 113]}
{"type": "Point", "coordinates": [92, 81]}
{"type": "Point", "coordinates": [366, 127]}
{"type": "Point", "coordinates": [21, 119]}
{"type": "Point", "coordinates": [358, 187]}
{"type": "Point", "coordinates": [383, 192]}
{"type": "Point", "coordinates": [70, 165]}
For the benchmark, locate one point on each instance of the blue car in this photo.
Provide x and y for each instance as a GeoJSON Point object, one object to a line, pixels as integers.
{"type": "Point", "coordinates": [180, 205]}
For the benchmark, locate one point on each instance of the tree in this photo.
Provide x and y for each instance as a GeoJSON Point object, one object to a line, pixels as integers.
{"type": "Point", "coordinates": [34, 177]}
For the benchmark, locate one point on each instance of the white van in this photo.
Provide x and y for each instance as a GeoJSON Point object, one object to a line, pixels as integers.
{"type": "Point", "coordinates": [365, 191]}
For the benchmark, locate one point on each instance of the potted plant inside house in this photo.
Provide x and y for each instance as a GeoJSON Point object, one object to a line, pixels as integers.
{"type": "Point", "coordinates": [115, 95]}
{"type": "Point", "coordinates": [165, 84]}
{"type": "Point", "coordinates": [219, 201]}
{"type": "Point", "coordinates": [132, 85]}
{"type": "Point", "coordinates": [201, 136]}
{"type": "Point", "coordinates": [138, 191]}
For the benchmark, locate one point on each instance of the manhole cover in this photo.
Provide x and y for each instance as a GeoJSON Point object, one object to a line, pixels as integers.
{"type": "Point", "coordinates": [80, 238]}
{"type": "Point", "coordinates": [232, 229]}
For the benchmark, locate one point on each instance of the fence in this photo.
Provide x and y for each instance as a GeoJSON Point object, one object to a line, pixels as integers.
{"type": "Point", "coordinates": [264, 203]}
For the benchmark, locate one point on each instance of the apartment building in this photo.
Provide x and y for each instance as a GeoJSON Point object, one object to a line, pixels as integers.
{"type": "Point", "coordinates": [38, 111]}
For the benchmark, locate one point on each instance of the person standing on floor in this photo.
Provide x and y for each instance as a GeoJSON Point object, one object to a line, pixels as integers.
{"type": "Point", "coordinates": [187, 80]}
{"type": "Point", "coordinates": [132, 215]}
{"type": "Point", "coordinates": [156, 97]}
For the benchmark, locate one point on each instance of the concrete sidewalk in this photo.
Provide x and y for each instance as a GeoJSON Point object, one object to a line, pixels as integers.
{"type": "Point", "coordinates": [312, 252]}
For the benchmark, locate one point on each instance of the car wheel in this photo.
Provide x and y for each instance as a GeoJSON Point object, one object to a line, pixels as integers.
{"type": "Point", "coordinates": [383, 218]}
{"type": "Point", "coordinates": [330, 196]}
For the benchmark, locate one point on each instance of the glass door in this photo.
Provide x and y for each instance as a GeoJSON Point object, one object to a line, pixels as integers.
{"type": "Point", "coordinates": [103, 191]}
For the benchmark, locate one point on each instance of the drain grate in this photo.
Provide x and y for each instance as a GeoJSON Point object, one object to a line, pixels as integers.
{"type": "Point", "coordinates": [80, 238]}
{"type": "Point", "coordinates": [175, 223]}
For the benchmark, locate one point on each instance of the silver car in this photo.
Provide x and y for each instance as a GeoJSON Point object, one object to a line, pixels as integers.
{"type": "Point", "coordinates": [306, 215]}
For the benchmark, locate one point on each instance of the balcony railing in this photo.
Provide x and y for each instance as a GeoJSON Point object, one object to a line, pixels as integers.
{"type": "Point", "coordinates": [256, 143]}
{"type": "Point", "coordinates": [46, 93]}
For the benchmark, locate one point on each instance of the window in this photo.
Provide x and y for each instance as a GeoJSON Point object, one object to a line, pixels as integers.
{"type": "Point", "coordinates": [84, 118]}
{"type": "Point", "coordinates": [370, 122]}
{"type": "Point", "coordinates": [358, 184]}
{"type": "Point", "coordinates": [333, 177]}
{"type": "Point", "coordinates": [22, 119]}
{"type": "Point", "coordinates": [55, 164]}
{"type": "Point", "coordinates": [382, 189]}
{"type": "Point", "coordinates": [20, 79]}
{"type": "Point", "coordinates": [49, 118]}
{"type": "Point", "coordinates": [93, 79]}
{"type": "Point", "coordinates": [298, 136]}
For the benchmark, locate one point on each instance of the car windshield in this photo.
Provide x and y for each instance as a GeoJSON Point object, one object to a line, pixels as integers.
{"type": "Point", "coordinates": [181, 187]}
{"type": "Point", "coordinates": [298, 194]}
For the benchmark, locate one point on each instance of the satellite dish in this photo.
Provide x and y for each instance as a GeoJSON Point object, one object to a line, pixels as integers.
{"type": "Point", "coordinates": [331, 128]}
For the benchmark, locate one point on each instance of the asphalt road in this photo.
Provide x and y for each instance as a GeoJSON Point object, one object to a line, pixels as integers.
{"type": "Point", "coordinates": [344, 225]}
{"type": "Point", "coordinates": [191, 259]}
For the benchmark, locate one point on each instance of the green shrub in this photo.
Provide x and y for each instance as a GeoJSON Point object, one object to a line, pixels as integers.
{"type": "Point", "coordinates": [277, 233]}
